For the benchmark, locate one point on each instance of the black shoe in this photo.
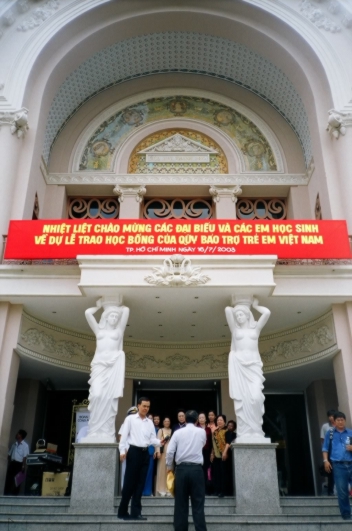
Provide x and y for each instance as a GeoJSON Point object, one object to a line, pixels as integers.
{"type": "Point", "coordinates": [347, 517]}
{"type": "Point", "coordinates": [139, 517]}
{"type": "Point", "coordinates": [125, 517]}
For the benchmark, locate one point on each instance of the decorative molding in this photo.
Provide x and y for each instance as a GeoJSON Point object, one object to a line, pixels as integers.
{"type": "Point", "coordinates": [220, 192]}
{"type": "Point", "coordinates": [38, 15]}
{"type": "Point", "coordinates": [317, 17]}
{"type": "Point", "coordinates": [17, 120]}
{"type": "Point", "coordinates": [137, 192]}
{"type": "Point", "coordinates": [242, 179]}
{"type": "Point", "coordinates": [70, 350]}
{"type": "Point", "coordinates": [177, 271]}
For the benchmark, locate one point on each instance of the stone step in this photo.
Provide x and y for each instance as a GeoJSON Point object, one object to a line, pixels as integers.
{"type": "Point", "coordinates": [236, 524]}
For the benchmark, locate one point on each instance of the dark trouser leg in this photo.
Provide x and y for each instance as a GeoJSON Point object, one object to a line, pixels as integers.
{"type": "Point", "coordinates": [133, 463]}
{"type": "Point", "coordinates": [331, 483]}
{"type": "Point", "coordinates": [197, 487]}
{"type": "Point", "coordinates": [223, 472]}
{"type": "Point", "coordinates": [182, 493]}
{"type": "Point", "coordinates": [217, 475]}
{"type": "Point", "coordinates": [341, 475]}
{"type": "Point", "coordinates": [136, 505]}
{"type": "Point", "coordinates": [13, 469]}
{"type": "Point", "coordinates": [206, 464]}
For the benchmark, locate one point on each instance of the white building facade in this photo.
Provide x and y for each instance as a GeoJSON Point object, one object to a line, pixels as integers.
{"type": "Point", "coordinates": [136, 110]}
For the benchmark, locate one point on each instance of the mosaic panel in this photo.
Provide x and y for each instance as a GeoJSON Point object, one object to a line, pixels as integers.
{"type": "Point", "coordinates": [183, 52]}
{"type": "Point", "coordinates": [257, 153]}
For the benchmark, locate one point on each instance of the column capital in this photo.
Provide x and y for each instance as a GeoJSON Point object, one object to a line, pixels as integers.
{"type": "Point", "coordinates": [137, 192]}
{"type": "Point", "coordinates": [17, 120]}
{"type": "Point", "coordinates": [220, 192]}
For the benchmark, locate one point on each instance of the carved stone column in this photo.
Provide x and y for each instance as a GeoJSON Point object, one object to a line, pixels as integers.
{"type": "Point", "coordinates": [13, 126]}
{"type": "Point", "coordinates": [225, 199]}
{"type": "Point", "coordinates": [342, 362]}
{"type": "Point", "coordinates": [130, 199]}
{"type": "Point", "coordinates": [10, 321]}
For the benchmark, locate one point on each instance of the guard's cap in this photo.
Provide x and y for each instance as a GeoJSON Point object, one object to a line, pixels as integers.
{"type": "Point", "coordinates": [191, 414]}
{"type": "Point", "coordinates": [132, 410]}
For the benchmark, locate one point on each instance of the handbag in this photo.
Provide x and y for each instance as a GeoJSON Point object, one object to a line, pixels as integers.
{"type": "Point", "coordinates": [322, 470]}
{"type": "Point", "coordinates": [170, 482]}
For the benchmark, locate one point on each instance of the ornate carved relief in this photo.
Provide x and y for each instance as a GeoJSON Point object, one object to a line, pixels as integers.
{"type": "Point", "coordinates": [177, 271]}
{"type": "Point", "coordinates": [17, 120]}
{"type": "Point", "coordinates": [38, 15]}
{"type": "Point", "coordinates": [70, 350]}
{"type": "Point", "coordinates": [318, 18]}
{"type": "Point", "coordinates": [297, 344]}
{"type": "Point", "coordinates": [336, 125]}
{"type": "Point", "coordinates": [137, 192]}
{"type": "Point", "coordinates": [176, 362]}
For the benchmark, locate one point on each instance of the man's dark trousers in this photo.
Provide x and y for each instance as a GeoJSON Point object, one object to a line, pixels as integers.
{"type": "Point", "coordinates": [189, 482]}
{"type": "Point", "coordinates": [13, 469]}
{"type": "Point", "coordinates": [137, 463]}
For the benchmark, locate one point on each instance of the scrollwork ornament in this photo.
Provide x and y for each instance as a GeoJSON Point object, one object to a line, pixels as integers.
{"type": "Point", "coordinates": [177, 271]}
{"type": "Point", "coordinates": [138, 192]}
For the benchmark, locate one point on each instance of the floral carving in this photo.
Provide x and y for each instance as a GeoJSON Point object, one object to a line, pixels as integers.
{"type": "Point", "coordinates": [318, 18]}
{"type": "Point", "coordinates": [290, 349]}
{"type": "Point", "coordinates": [62, 348]}
{"type": "Point", "coordinates": [39, 15]}
{"type": "Point", "coordinates": [177, 271]}
{"type": "Point", "coordinates": [175, 362]}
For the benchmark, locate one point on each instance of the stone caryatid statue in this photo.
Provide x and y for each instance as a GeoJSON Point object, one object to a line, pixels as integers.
{"type": "Point", "coordinates": [107, 370]}
{"type": "Point", "coordinates": [245, 369]}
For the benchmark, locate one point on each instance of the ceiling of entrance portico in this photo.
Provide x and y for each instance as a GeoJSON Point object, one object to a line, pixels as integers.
{"type": "Point", "coordinates": [184, 52]}
{"type": "Point", "coordinates": [176, 315]}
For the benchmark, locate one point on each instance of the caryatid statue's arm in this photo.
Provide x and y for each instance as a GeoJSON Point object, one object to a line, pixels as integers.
{"type": "Point", "coordinates": [123, 319]}
{"type": "Point", "coordinates": [91, 320]}
{"type": "Point", "coordinates": [265, 314]}
{"type": "Point", "coordinates": [230, 318]}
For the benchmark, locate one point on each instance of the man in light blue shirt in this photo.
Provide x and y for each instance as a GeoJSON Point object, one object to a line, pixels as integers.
{"type": "Point", "coordinates": [340, 461]}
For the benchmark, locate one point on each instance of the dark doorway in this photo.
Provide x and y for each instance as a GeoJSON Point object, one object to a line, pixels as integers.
{"type": "Point", "coordinates": [167, 397]}
{"type": "Point", "coordinates": [285, 422]}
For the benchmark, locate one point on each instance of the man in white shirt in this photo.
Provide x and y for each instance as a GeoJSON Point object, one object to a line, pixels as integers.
{"type": "Point", "coordinates": [187, 445]}
{"type": "Point", "coordinates": [324, 429]}
{"type": "Point", "coordinates": [137, 434]}
{"type": "Point", "coordinates": [17, 457]}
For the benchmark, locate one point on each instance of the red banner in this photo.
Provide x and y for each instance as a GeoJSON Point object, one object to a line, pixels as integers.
{"type": "Point", "coordinates": [53, 239]}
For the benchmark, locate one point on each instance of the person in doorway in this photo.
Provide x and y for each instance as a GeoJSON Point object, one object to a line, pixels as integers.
{"type": "Point", "coordinates": [324, 429]}
{"type": "Point", "coordinates": [202, 419]}
{"type": "Point", "coordinates": [164, 434]}
{"type": "Point", "coordinates": [138, 431]}
{"type": "Point", "coordinates": [340, 461]}
{"type": "Point", "coordinates": [186, 446]}
{"type": "Point", "coordinates": [156, 420]}
{"type": "Point", "coordinates": [181, 418]}
{"type": "Point", "coordinates": [17, 457]}
{"type": "Point", "coordinates": [211, 420]}
{"type": "Point", "coordinates": [218, 456]}
{"type": "Point", "coordinates": [230, 437]}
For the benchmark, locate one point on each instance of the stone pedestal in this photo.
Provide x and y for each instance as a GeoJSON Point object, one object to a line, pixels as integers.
{"type": "Point", "coordinates": [256, 483]}
{"type": "Point", "coordinates": [95, 478]}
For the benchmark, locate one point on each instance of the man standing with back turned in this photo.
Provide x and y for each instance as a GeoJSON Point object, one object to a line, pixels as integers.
{"type": "Point", "coordinates": [187, 446]}
{"type": "Point", "coordinates": [138, 432]}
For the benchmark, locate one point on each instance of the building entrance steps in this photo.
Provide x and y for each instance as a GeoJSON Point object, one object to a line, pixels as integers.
{"type": "Point", "coordinates": [298, 514]}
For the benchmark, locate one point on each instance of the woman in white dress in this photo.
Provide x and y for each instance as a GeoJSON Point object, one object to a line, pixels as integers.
{"type": "Point", "coordinates": [107, 371]}
{"type": "Point", "coordinates": [245, 370]}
